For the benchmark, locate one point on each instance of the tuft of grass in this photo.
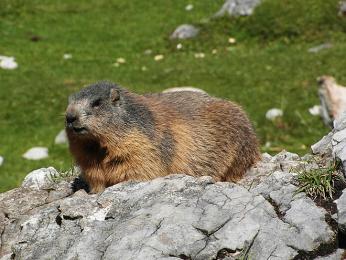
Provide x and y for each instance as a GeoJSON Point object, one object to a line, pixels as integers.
{"type": "Point", "coordinates": [319, 182]}
{"type": "Point", "coordinates": [68, 175]}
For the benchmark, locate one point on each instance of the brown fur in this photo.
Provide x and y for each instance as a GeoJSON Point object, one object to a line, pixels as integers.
{"type": "Point", "coordinates": [194, 134]}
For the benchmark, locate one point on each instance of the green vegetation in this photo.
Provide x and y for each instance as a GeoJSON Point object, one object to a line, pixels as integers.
{"type": "Point", "coordinates": [68, 175]}
{"type": "Point", "coordinates": [269, 66]}
{"type": "Point", "coordinates": [319, 182]}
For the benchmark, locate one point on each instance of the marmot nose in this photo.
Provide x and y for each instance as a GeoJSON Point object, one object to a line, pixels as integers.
{"type": "Point", "coordinates": [70, 118]}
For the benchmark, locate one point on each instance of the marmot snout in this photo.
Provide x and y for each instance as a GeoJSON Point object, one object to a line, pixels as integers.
{"type": "Point", "coordinates": [116, 135]}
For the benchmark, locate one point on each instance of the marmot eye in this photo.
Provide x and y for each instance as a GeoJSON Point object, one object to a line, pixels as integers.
{"type": "Point", "coordinates": [96, 103]}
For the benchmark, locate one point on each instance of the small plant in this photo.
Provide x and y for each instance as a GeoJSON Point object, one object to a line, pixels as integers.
{"type": "Point", "coordinates": [67, 175]}
{"type": "Point", "coordinates": [319, 182]}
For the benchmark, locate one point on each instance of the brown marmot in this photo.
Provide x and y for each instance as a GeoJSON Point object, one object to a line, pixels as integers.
{"type": "Point", "coordinates": [116, 135]}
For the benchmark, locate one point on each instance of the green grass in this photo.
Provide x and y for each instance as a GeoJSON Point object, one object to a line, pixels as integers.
{"type": "Point", "coordinates": [67, 175]}
{"type": "Point", "coordinates": [319, 182]}
{"type": "Point", "coordinates": [268, 67]}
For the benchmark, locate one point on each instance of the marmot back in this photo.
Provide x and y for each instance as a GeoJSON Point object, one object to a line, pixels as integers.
{"type": "Point", "coordinates": [116, 135]}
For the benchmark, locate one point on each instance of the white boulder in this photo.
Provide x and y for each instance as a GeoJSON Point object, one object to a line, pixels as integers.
{"type": "Point", "coordinates": [36, 153]}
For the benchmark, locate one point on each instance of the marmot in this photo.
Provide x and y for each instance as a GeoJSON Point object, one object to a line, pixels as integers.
{"type": "Point", "coordinates": [116, 135]}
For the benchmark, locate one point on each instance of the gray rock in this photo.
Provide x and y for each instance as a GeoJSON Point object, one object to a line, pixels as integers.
{"type": "Point", "coordinates": [342, 8]}
{"type": "Point", "coordinates": [325, 113]}
{"type": "Point", "coordinates": [238, 7]}
{"type": "Point", "coordinates": [340, 123]}
{"type": "Point", "coordinates": [310, 237]}
{"type": "Point", "coordinates": [189, 7]}
{"type": "Point", "coordinates": [321, 47]}
{"type": "Point", "coordinates": [324, 146]}
{"type": "Point", "coordinates": [166, 218]}
{"type": "Point", "coordinates": [332, 97]}
{"type": "Point", "coordinates": [266, 157]}
{"type": "Point", "coordinates": [8, 63]}
{"type": "Point", "coordinates": [255, 174]}
{"type": "Point", "coordinates": [282, 162]}
{"type": "Point", "coordinates": [316, 110]}
{"type": "Point", "coordinates": [36, 153]}
{"type": "Point", "coordinates": [341, 206]}
{"type": "Point", "coordinates": [61, 138]}
{"type": "Point", "coordinates": [278, 189]}
{"type": "Point", "coordinates": [1, 160]}
{"type": "Point", "coordinates": [285, 156]}
{"type": "Point", "coordinates": [290, 162]}
{"type": "Point", "coordinates": [339, 142]}
{"type": "Point", "coordinates": [273, 113]}
{"type": "Point", "coordinates": [334, 144]}
{"type": "Point", "coordinates": [297, 210]}
{"type": "Point", "coordinates": [39, 179]}
{"type": "Point", "coordinates": [179, 89]}
{"type": "Point", "coordinates": [185, 31]}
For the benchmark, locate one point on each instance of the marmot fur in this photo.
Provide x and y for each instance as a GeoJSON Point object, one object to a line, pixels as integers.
{"type": "Point", "coordinates": [116, 135]}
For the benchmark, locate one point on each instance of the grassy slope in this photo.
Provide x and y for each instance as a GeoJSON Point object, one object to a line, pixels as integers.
{"type": "Point", "coordinates": [268, 67]}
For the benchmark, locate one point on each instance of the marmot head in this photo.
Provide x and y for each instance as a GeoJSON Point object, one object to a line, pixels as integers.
{"type": "Point", "coordinates": [106, 111]}
{"type": "Point", "coordinates": [92, 110]}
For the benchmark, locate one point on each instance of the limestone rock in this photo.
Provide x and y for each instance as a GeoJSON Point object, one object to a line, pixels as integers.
{"type": "Point", "coordinates": [8, 63]}
{"type": "Point", "coordinates": [333, 145]}
{"type": "Point", "coordinates": [342, 8]}
{"type": "Point", "coordinates": [1, 160]}
{"type": "Point", "coordinates": [332, 97]}
{"type": "Point", "coordinates": [341, 216]}
{"type": "Point", "coordinates": [178, 89]}
{"type": "Point", "coordinates": [189, 7]}
{"type": "Point", "coordinates": [324, 146]}
{"type": "Point", "coordinates": [238, 7]}
{"type": "Point", "coordinates": [316, 110]}
{"type": "Point", "coordinates": [67, 56]}
{"type": "Point", "coordinates": [61, 138]}
{"type": "Point", "coordinates": [36, 153]}
{"type": "Point", "coordinates": [284, 156]}
{"type": "Point", "coordinates": [39, 179]}
{"type": "Point", "coordinates": [274, 113]}
{"type": "Point", "coordinates": [177, 216]}
{"type": "Point", "coordinates": [339, 140]}
{"type": "Point", "coordinates": [283, 161]}
{"type": "Point", "coordinates": [321, 47]}
{"type": "Point", "coordinates": [185, 31]}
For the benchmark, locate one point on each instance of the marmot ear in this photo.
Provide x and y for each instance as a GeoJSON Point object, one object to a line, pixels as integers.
{"type": "Point", "coordinates": [115, 95]}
